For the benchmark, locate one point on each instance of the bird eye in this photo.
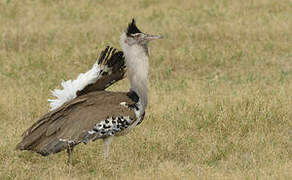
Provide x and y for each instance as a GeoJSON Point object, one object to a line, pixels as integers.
{"type": "Point", "coordinates": [137, 35]}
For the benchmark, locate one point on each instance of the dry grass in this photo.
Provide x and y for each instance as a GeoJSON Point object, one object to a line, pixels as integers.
{"type": "Point", "coordinates": [220, 87]}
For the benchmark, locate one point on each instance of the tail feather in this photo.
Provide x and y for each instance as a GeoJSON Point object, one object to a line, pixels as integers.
{"type": "Point", "coordinates": [108, 69]}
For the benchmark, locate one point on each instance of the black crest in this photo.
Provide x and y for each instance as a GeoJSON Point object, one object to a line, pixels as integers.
{"type": "Point", "coordinates": [132, 28]}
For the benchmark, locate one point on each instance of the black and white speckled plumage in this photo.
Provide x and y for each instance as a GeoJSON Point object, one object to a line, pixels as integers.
{"type": "Point", "coordinates": [113, 126]}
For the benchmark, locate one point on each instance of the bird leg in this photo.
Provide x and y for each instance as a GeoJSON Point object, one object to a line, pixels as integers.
{"type": "Point", "coordinates": [107, 142]}
{"type": "Point", "coordinates": [69, 152]}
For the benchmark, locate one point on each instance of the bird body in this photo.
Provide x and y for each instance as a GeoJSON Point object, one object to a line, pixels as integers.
{"type": "Point", "coordinates": [95, 115]}
{"type": "Point", "coordinates": [84, 111]}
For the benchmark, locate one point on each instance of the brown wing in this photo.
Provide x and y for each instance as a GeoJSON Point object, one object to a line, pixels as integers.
{"type": "Point", "coordinates": [70, 123]}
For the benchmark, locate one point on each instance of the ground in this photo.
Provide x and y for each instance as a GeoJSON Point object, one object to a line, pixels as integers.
{"type": "Point", "coordinates": [220, 86]}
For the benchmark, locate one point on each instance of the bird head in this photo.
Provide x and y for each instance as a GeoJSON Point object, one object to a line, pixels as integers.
{"type": "Point", "coordinates": [133, 36]}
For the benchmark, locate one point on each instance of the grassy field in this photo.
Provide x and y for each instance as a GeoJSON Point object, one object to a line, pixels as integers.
{"type": "Point", "coordinates": [220, 87]}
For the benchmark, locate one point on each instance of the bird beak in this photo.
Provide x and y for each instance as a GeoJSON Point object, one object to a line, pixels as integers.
{"type": "Point", "coordinates": [151, 37]}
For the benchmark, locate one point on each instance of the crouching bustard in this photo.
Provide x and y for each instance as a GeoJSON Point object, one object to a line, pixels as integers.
{"type": "Point", "coordinates": [84, 111]}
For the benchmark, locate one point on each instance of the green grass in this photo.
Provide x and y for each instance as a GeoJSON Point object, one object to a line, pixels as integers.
{"type": "Point", "coordinates": [220, 87]}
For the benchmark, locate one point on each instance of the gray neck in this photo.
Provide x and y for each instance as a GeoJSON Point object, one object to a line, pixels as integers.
{"type": "Point", "coordinates": [138, 64]}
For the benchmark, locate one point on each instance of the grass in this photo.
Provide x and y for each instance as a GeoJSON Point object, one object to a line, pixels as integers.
{"type": "Point", "coordinates": [220, 87]}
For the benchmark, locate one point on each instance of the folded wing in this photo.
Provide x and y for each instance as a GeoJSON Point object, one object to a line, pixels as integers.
{"type": "Point", "coordinates": [91, 116]}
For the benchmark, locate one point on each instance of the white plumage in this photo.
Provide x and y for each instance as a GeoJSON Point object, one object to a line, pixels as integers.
{"type": "Point", "coordinates": [71, 87]}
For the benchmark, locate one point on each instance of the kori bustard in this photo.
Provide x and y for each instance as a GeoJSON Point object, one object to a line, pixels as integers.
{"type": "Point", "coordinates": [84, 111]}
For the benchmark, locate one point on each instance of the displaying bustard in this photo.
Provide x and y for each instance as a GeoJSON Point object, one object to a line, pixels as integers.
{"type": "Point", "coordinates": [84, 111]}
